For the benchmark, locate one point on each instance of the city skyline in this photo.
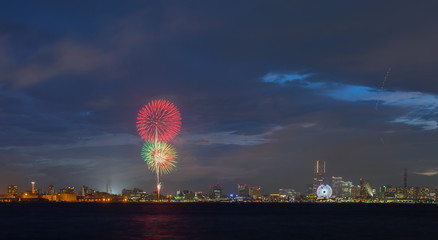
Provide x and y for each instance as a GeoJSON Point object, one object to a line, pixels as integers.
{"type": "Point", "coordinates": [319, 178]}
{"type": "Point", "coordinates": [264, 90]}
{"type": "Point", "coordinates": [322, 189]}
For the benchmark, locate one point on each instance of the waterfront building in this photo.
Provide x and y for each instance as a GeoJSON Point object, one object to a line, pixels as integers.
{"type": "Point", "coordinates": [51, 190]}
{"type": "Point", "coordinates": [67, 190]}
{"type": "Point", "coordinates": [84, 190]}
{"type": "Point", "coordinates": [287, 194]}
{"type": "Point", "coordinates": [345, 189]}
{"type": "Point", "coordinates": [421, 193]}
{"type": "Point", "coordinates": [341, 189]}
{"type": "Point", "coordinates": [274, 197]}
{"type": "Point", "coordinates": [50, 197]}
{"type": "Point", "coordinates": [366, 192]}
{"type": "Point", "coordinates": [242, 190]}
{"type": "Point", "coordinates": [12, 190]}
{"type": "Point", "coordinates": [216, 191]}
{"type": "Point", "coordinates": [355, 192]}
{"type": "Point", "coordinates": [134, 195]}
{"type": "Point", "coordinates": [67, 197]}
{"type": "Point", "coordinates": [337, 186]}
{"type": "Point", "coordinates": [187, 195]}
{"type": "Point", "coordinates": [255, 193]}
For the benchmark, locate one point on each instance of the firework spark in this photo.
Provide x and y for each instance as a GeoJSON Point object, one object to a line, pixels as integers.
{"type": "Point", "coordinates": [160, 157]}
{"type": "Point", "coordinates": [159, 120]}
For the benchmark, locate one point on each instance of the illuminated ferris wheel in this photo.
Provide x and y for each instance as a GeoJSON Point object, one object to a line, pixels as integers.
{"type": "Point", "coordinates": [324, 191]}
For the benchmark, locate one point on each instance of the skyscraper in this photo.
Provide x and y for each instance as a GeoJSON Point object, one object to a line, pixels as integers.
{"type": "Point", "coordinates": [318, 174]}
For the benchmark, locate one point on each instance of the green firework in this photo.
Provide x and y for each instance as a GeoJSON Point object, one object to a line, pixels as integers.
{"type": "Point", "coordinates": [160, 157]}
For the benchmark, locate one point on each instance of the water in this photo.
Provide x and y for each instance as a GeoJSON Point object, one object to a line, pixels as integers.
{"type": "Point", "coordinates": [217, 221]}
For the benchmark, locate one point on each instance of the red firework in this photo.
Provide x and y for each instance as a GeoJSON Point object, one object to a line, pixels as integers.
{"type": "Point", "coordinates": [158, 120]}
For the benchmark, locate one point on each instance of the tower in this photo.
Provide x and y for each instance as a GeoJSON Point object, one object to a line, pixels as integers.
{"type": "Point", "coordinates": [33, 187]}
{"type": "Point", "coordinates": [318, 174]}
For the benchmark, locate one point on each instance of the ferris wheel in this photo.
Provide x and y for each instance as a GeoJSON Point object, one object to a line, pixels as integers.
{"type": "Point", "coordinates": [324, 191]}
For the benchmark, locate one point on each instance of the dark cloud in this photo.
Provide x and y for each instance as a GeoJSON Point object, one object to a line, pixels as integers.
{"type": "Point", "coordinates": [264, 89]}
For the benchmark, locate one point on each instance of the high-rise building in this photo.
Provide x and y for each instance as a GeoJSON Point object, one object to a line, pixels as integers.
{"type": "Point", "coordinates": [51, 190]}
{"type": "Point", "coordinates": [215, 191]}
{"type": "Point", "coordinates": [341, 189]}
{"type": "Point", "coordinates": [318, 174]}
{"type": "Point", "coordinates": [336, 185]}
{"type": "Point", "coordinates": [12, 190]}
{"type": "Point", "coordinates": [255, 193]}
{"type": "Point", "coordinates": [366, 191]}
{"type": "Point", "coordinates": [345, 191]}
{"type": "Point", "coordinates": [242, 190]}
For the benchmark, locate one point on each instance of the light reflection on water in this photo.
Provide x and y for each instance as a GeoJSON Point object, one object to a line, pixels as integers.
{"type": "Point", "coordinates": [217, 221]}
{"type": "Point", "coordinates": [160, 227]}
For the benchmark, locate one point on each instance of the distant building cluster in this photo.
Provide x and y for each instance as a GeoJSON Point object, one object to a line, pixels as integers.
{"type": "Point", "coordinates": [346, 191]}
{"type": "Point", "coordinates": [321, 190]}
{"type": "Point", "coordinates": [66, 194]}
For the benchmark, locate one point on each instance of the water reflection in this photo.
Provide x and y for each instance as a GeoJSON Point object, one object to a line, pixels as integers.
{"type": "Point", "coordinates": [159, 224]}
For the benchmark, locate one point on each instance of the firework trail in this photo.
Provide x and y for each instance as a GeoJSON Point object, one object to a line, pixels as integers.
{"type": "Point", "coordinates": [381, 88]}
{"type": "Point", "coordinates": [159, 121]}
{"type": "Point", "coordinates": [383, 85]}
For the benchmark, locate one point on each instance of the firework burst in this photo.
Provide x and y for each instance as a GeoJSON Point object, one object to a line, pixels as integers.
{"type": "Point", "coordinates": [160, 157]}
{"type": "Point", "coordinates": [159, 120]}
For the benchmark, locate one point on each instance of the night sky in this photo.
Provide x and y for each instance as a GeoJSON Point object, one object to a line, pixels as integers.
{"type": "Point", "coordinates": [264, 89]}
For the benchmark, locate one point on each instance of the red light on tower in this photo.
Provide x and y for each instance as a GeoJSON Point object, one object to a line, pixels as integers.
{"type": "Point", "coordinates": [33, 187]}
